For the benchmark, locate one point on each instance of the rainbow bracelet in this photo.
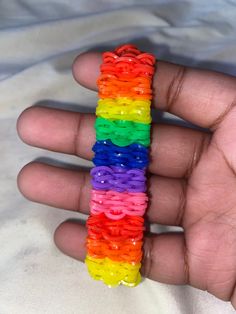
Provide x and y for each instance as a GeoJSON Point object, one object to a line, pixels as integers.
{"type": "Point", "coordinates": [118, 201]}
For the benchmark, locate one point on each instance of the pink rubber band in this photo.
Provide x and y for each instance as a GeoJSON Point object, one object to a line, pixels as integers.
{"type": "Point", "coordinates": [116, 205]}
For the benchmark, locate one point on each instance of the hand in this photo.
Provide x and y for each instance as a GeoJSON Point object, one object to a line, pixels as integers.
{"type": "Point", "coordinates": [192, 175]}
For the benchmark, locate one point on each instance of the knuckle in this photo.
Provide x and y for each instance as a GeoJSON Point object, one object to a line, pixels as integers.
{"type": "Point", "coordinates": [147, 257]}
{"type": "Point", "coordinates": [175, 87]}
{"type": "Point", "coordinates": [199, 148]}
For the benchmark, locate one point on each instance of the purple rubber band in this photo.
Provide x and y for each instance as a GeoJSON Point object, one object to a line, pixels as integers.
{"type": "Point", "coordinates": [118, 179]}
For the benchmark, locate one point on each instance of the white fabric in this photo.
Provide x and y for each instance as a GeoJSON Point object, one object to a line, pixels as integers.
{"type": "Point", "coordinates": [38, 42]}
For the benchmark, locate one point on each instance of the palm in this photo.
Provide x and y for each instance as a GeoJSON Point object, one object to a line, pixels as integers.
{"type": "Point", "coordinates": [192, 175]}
{"type": "Point", "coordinates": [209, 220]}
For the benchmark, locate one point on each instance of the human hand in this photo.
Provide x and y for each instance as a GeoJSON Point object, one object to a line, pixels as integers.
{"type": "Point", "coordinates": [192, 175]}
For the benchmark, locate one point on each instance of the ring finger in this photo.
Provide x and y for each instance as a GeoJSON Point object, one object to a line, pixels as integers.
{"type": "Point", "coordinates": [70, 189]}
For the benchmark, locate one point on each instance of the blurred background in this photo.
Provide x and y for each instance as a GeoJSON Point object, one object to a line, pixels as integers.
{"type": "Point", "coordinates": [38, 43]}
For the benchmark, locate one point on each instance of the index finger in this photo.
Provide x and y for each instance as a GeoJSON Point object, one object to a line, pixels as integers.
{"type": "Point", "coordinates": [199, 96]}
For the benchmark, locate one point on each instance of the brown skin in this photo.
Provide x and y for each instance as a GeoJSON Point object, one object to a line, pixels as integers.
{"type": "Point", "coordinates": [192, 175]}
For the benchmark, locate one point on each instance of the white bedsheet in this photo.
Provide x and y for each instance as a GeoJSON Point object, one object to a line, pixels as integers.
{"type": "Point", "coordinates": [38, 42]}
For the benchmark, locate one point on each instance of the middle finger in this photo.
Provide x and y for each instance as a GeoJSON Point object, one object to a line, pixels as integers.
{"type": "Point", "coordinates": [174, 150]}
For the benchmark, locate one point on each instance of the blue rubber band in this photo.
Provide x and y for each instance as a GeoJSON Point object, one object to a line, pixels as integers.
{"type": "Point", "coordinates": [131, 156]}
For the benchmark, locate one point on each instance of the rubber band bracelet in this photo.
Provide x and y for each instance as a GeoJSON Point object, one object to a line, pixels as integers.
{"type": "Point", "coordinates": [118, 201]}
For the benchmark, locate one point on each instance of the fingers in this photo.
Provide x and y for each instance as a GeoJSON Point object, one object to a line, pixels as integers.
{"type": "Point", "coordinates": [201, 97]}
{"type": "Point", "coordinates": [167, 199]}
{"type": "Point", "coordinates": [70, 238]}
{"type": "Point", "coordinates": [174, 150]}
{"type": "Point", "coordinates": [71, 189]}
{"type": "Point", "coordinates": [57, 130]}
{"type": "Point", "coordinates": [165, 259]}
{"type": "Point", "coordinates": [86, 69]}
{"type": "Point", "coordinates": [55, 186]}
{"type": "Point", "coordinates": [164, 255]}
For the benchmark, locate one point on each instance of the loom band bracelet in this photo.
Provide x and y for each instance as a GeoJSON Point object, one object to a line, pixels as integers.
{"type": "Point", "coordinates": [122, 132]}
{"type": "Point", "coordinates": [109, 154]}
{"type": "Point", "coordinates": [140, 93]}
{"type": "Point", "coordinates": [117, 205]}
{"type": "Point", "coordinates": [124, 109]}
{"type": "Point", "coordinates": [113, 273]}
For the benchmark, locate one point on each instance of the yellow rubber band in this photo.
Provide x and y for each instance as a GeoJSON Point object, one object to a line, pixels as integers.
{"type": "Point", "coordinates": [113, 273]}
{"type": "Point", "coordinates": [124, 108]}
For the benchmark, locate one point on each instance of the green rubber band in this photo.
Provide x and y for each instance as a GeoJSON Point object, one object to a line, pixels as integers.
{"type": "Point", "coordinates": [122, 132]}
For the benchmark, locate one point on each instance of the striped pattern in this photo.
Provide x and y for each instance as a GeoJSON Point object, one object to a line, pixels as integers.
{"type": "Point", "coordinates": [118, 202]}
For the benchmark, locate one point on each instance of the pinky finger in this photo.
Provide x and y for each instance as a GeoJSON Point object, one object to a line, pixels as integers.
{"type": "Point", "coordinates": [70, 238]}
{"type": "Point", "coordinates": [163, 254]}
{"type": "Point", "coordinates": [164, 258]}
